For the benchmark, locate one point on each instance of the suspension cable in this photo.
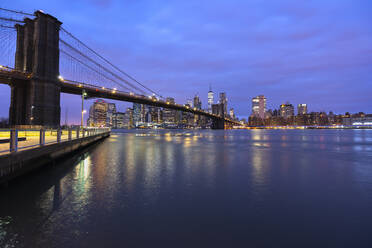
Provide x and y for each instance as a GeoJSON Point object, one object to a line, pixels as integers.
{"type": "Point", "coordinates": [10, 20]}
{"type": "Point", "coordinates": [4, 26]}
{"type": "Point", "coordinates": [107, 61]}
{"type": "Point", "coordinates": [17, 12]}
{"type": "Point", "coordinates": [99, 65]}
{"type": "Point", "coordinates": [99, 73]}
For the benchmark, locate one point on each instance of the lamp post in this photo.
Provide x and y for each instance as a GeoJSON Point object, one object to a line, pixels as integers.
{"type": "Point", "coordinates": [83, 95]}
{"type": "Point", "coordinates": [32, 114]}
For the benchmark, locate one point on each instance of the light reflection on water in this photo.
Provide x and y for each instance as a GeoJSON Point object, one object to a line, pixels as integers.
{"type": "Point", "coordinates": [206, 188]}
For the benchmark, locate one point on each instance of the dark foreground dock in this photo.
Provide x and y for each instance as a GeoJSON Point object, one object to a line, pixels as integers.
{"type": "Point", "coordinates": [15, 164]}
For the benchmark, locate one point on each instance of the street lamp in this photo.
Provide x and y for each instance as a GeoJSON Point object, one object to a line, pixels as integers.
{"type": "Point", "coordinates": [32, 114]}
{"type": "Point", "coordinates": [83, 95]}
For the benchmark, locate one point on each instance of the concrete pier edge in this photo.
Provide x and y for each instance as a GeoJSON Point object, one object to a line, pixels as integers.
{"type": "Point", "coordinates": [13, 165]}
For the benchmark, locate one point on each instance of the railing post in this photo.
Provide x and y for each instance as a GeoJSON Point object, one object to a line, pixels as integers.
{"type": "Point", "coordinates": [69, 134]}
{"type": "Point", "coordinates": [77, 132]}
{"type": "Point", "coordinates": [13, 140]}
{"type": "Point", "coordinates": [83, 132]}
{"type": "Point", "coordinates": [42, 137]}
{"type": "Point", "coordinates": [59, 132]}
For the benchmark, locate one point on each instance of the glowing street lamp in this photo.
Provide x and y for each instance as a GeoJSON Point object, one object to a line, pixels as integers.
{"type": "Point", "coordinates": [83, 95]}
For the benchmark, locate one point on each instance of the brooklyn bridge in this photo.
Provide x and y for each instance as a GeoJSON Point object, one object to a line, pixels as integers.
{"type": "Point", "coordinates": [40, 59]}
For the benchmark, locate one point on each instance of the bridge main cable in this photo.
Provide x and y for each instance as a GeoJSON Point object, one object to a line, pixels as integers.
{"type": "Point", "coordinates": [97, 64]}
{"type": "Point", "coordinates": [16, 12]}
{"type": "Point", "coordinates": [11, 20]}
{"type": "Point", "coordinates": [108, 62]}
{"type": "Point", "coordinates": [99, 73]}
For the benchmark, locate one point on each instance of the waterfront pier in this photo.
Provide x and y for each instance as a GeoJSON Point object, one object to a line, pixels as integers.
{"type": "Point", "coordinates": [30, 149]}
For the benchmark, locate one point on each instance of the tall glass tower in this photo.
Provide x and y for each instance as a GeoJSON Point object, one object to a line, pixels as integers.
{"type": "Point", "coordinates": [210, 99]}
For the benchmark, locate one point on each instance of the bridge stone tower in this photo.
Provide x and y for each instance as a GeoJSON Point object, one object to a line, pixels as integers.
{"type": "Point", "coordinates": [36, 101]}
{"type": "Point", "coordinates": [218, 124]}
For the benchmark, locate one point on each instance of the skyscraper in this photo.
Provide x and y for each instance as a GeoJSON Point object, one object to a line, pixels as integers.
{"type": "Point", "coordinates": [286, 110]}
{"type": "Point", "coordinates": [210, 99]}
{"type": "Point", "coordinates": [189, 102]}
{"type": "Point", "coordinates": [128, 118]}
{"type": "Point", "coordinates": [118, 120]}
{"type": "Point", "coordinates": [259, 106]}
{"type": "Point", "coordinates": [111, 110]}
{"type": "Point", "coordinates": [197, 102]}
{"type": "Point", "coordinates": [136, 113]}
{"type": "Point", "coordinates": [169, 115]}
{"type": "Point", "coordinates": [223, 101]}
{"type": "Point", "coordinates": [302, 109]}
{"type": "Point", "coordinates": [98, 114]}
{"type": "Point", "coordinates": [232, 114]}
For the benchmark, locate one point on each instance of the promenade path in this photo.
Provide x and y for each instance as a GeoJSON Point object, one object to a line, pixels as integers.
{"type": "Point", "coordinates": [32, 139]}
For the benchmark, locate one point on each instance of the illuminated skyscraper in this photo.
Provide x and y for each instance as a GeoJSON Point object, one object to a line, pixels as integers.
{"type": "Point", "coordinates": [111, 110]}
{"type": "Point", "coordinates": [286, 110]}
{"type": "Point", "coordinates": [118, 120]}
{"type": "Point", "coordinates": [169, 115]}
{"type": "Point", "coordinates": [137, 113]}
{"type": "Point", "coordinates": [189, 102]}
{"type": "Point", "coordinates": [259, 106]}
{"type": "Point", "coordinates": [128, 118]}
{"type": "Point", "coordinates": [232, 114]}
{"type": "Point", "coordinates": [302, 109]}
{"type": "Point", "coordinates": [98, 114]}
{"type": "Point", "coordinates": [197, 102]}
{"type": "Point", "coordinates": [210, 99]}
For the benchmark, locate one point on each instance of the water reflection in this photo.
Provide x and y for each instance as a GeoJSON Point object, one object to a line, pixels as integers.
{"type": "Point", "coordinates": [144, 184]}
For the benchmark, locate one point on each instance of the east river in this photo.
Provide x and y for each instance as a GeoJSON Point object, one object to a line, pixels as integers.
{"type": "Point", "coordinates": [233, 188]}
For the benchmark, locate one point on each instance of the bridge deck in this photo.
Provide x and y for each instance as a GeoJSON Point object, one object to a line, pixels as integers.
{"type": "Point", "coordinates": [77, 88]}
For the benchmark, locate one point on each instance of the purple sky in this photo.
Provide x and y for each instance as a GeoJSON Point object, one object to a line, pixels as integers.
{"type": "Point", "coordinates": [314, 52]}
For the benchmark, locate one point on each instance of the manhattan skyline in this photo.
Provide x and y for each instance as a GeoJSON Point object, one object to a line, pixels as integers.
{"type": "Point", "coordinates": [316, 53]}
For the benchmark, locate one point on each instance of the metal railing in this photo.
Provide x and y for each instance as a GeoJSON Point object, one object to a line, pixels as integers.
{"type": "Point", "coordinates": [13, 140]}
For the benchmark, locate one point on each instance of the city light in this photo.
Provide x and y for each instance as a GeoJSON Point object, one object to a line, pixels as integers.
{"type": "Point", "coordinates": [61, 78]}
{"type": "Point", "coordinates": [362, 123]}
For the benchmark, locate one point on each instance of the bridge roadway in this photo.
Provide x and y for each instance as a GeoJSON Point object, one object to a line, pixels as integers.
{"type": "Point", "coordinates": [77, 88]}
